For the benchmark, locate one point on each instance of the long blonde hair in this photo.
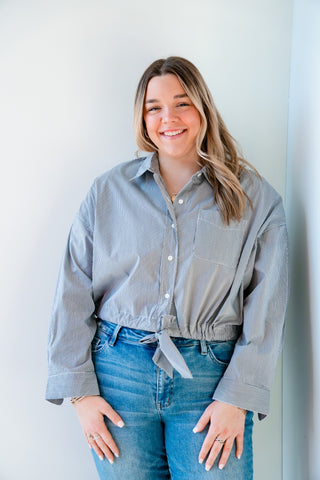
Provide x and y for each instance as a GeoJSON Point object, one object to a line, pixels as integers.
{"type": "Point", "coordinates": [214, 144]}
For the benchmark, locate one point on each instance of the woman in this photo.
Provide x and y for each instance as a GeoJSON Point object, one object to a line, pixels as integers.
{"type": "Point", "coordinates": [169, 310]}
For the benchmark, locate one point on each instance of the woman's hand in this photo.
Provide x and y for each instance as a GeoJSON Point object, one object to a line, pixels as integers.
{"type": "Point", "coordinates": [90, 411]}
{"type": "Point", "coordinates": [226, 425]}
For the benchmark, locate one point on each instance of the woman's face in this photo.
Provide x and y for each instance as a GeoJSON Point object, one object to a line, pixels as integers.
{"type": "Point", "coordinates": [171, 119]}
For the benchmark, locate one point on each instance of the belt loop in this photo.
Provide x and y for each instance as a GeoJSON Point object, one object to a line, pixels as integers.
{"type": "Point", "coordinates": [204, 347]}
{"type": "Point", "coordinates": [115, 336]}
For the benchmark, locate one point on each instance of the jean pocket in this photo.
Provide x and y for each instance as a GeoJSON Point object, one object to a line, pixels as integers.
{"type": "Point", "coordinates": [217, 242]}
{"type": "Point", "coordinates": [100, 340]}
{"type": "Point", "coordinates": [221, 352]}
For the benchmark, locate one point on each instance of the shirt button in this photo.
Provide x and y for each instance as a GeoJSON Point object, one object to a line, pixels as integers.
{"type": "Point", "coordinates": [180, 201]}
{"type": "Point", "coordinates": [172, 225]}
{"type": "Point", "coordinates": [170, 258]}
{"type": "Point", "coordinates": [167, 295]}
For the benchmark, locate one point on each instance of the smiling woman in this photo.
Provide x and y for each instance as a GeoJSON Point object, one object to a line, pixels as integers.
{"type": "Point", "coordinates": [166, 327]}
{"type": "Point", "coordinates": [172, 121]}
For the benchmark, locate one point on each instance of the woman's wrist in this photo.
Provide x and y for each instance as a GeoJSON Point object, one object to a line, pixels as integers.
{"type": "Point", "coordinates": [75, 400]}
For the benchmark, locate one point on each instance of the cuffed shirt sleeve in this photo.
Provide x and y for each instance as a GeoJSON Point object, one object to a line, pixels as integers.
{"type": "Point", "coordinates": [248, 378]}
{"type": "Point", "coordinates": [72, 327]}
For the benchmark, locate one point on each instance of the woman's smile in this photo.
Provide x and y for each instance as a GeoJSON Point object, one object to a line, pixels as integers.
{"type": "Point", "coordinates": [173, 133]}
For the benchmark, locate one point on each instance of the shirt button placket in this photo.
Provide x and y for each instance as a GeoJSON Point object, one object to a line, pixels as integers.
{"type": "Point", "coordinates": [170, 253]}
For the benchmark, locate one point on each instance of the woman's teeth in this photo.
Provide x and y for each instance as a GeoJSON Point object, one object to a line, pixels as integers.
{"type": "Point", "coordinates": [172, 134]}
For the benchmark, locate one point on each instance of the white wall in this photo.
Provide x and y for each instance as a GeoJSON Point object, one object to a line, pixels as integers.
{"type": "Point", "coordinates": [68, 71]}
{"type": "Point", "coordinates": [301, 353]}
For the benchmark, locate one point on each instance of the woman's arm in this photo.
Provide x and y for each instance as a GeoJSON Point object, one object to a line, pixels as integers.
{"type": "Point", "coordinates": [247, 380]}
{"type": "Point", "coordinates": [73, 326]}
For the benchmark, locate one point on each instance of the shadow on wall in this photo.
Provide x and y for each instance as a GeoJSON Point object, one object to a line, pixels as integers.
{"type": "Point", "coordinates": [298, 408]}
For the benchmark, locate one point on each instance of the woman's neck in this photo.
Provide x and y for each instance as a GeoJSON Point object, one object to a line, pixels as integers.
{"type": "Point", "coordinates": [176, 174]}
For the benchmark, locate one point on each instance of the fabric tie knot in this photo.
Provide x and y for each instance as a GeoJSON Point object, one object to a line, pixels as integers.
{"type": "Point", "coordinates": [167, 356]}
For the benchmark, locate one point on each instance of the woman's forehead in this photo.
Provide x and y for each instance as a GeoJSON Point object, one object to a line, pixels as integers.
{"type": "Point", "coordinates": [164, 85]}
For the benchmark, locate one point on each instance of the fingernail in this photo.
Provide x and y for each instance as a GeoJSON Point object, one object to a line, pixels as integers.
{"type": "Point", "coordinates": [200, 460]}
{"type": "Point", "coordinates": [207, 468]}
{"type": "Point", "coordinates": [195, 430]}
{"type": "Point", "coordinates": [221, 466]}
{"type": "Point", "coordinates": [120, 424]}
{"type": "Point", "coordinates": [116, 455]}
{"type": "Point", "coordinates": [101, 457]}
{"type": "Point", "coordinates": [110, 461]}
{"type": "Point", "coordinates": [238, 457]}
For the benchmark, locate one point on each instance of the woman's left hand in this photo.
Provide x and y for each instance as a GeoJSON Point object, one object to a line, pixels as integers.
{"type": "Point", "coordinates": [226, 425]}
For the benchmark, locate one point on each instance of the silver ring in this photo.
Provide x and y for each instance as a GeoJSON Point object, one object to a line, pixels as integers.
{"type": "Point", "coordinates": [93, 437]}
{"type": "Point", "coordinates": [219, 440]}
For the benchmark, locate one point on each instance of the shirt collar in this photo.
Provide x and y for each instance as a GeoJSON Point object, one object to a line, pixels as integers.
{"type": "Point", "coordinates": [150, 163]}
{"type": "Point", "coordinates": [205, 173]}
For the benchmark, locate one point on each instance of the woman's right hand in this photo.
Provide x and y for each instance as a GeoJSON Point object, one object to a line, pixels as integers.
{"type": "Point", "coordinates": [90, 411]}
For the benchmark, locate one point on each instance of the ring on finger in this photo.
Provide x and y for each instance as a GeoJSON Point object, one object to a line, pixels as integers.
{"type": "Point", "coordinates": [219, 440]}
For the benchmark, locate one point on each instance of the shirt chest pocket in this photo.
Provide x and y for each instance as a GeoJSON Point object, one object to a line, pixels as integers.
{"type": "Point", "coordinates": [216, 241]}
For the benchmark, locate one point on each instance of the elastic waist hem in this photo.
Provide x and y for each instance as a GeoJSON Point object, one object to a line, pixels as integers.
{"type": "Point", "coordinates": [219, 333]}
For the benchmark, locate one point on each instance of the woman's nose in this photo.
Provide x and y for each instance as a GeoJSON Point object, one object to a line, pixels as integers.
{"type": "Point", "coordinates": [168, 114]}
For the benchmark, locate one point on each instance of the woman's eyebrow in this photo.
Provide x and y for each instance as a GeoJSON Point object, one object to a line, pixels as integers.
{"type": "Point", "coordinates": [181, 95]}
{"type": "Point", "coordinates": [155, 100]}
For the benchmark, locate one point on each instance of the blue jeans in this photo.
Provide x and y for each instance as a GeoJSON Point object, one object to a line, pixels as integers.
{"type": "Point", "coordinates": [157, 441]}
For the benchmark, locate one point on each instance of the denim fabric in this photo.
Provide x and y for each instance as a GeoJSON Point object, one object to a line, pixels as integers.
{"type": "Point", "coordinates": [175, 269]}
{"type": "Point", "coordinates": [157, 441]}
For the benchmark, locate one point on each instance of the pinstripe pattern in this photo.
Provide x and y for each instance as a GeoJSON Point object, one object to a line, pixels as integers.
{"type": "Point", "coordinates": [136, 259]}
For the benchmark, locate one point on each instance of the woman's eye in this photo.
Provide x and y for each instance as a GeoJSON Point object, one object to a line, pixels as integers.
{"type": "Point", "coordinates": [153, 109]}
{"type": "Point", "coordinates": [183, 104]}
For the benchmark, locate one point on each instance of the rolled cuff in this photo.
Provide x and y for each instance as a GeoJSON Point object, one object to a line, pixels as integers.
{"type": "Point", "coordinates": [249, 397]}
{"type": "Point", "coordinates": [66, 385]}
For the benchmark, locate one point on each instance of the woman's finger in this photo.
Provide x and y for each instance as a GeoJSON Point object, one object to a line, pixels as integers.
{"type": "Point", "coordinates": [107, 440]}
{"type": "Point", "coordinates": [209, 443]}
{"type": "Point", "coordinates": [225, 453]}
{"type": "Point", "coordinates": [94, 446]}
{"type": "Point", "coordinates": [104, 440]}
{"type": "Point", "coordinates": [97, 443]}
{"type": "Point", "coordinates": [104, 448]}
{"type": "Point", "coordinates": [239, 445]}
{"type": "Point", "coordinates": [102, 453]}
{"type": "Point", "coordinates": [109, 412]}
{"type": "Point", "coordinates": [203, 421]}
{"type": "Point", "coordinates": [213, 453]}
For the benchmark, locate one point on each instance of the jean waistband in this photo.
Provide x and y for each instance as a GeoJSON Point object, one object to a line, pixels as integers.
{"type": "Point", "coordinates": [166, 356]}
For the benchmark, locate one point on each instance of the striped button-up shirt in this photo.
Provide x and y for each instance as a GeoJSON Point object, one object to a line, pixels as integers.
{"type": "Point", "coordinates": [175, 269]}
